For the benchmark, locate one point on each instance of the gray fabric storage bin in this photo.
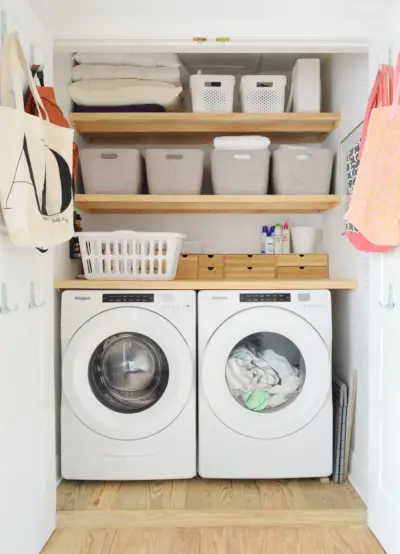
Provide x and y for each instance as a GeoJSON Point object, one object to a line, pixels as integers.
{"type": "Point", "coordinates": [111, 170]}
{"type": "Point", "coordinates": [174, 171]}
{"type": "Point", "coordinates": [240, 171]}
{"type": "Point", "coordinates": [302, 170]}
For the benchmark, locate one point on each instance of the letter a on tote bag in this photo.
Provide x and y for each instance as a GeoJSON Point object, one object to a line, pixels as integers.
{"type": "Point", "coordinates": [36, 190]}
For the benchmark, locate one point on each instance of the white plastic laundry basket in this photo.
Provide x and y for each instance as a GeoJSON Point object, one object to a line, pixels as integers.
{"type": "Point", "coordinates": [263, 93]}
{"type": "Point", "coordinates": [212, 93]}
{"type": "Point", "coordinates": [125, 255]}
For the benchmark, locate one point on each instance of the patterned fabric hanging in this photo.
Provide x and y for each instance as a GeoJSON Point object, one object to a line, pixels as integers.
{"type": "Point", "coordinates": [352, 165]}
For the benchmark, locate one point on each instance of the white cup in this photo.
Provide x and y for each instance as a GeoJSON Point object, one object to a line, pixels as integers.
{"type": "Point", "coordinates": [304, 239]}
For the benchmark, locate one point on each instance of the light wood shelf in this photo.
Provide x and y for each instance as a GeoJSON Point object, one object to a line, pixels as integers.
{"type": "Point", "coordinates": [177, 127]}
{"type": "Point", "coordinates": [277, 284]}
{"type": "Point", "coordinates": [217, 204]}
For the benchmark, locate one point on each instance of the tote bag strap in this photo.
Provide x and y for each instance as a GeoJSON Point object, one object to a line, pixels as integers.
{"type": "Point", "coordinates": [373, 102]}
{"type": "Point", "coordinates": [396, 93]}
{"type": "Point", "coordinates": [387, 85]}
{"type": "Point", "coordinates": [13, 64]}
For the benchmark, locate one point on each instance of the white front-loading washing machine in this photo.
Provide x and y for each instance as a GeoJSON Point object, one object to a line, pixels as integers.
{"type": "Point", "coordinates": [265, 384]}
{"type": "Point", "coordinates": [128, 406]}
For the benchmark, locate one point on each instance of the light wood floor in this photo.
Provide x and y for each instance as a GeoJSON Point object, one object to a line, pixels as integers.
{"type": "Point", "coordinates": [214, 517]}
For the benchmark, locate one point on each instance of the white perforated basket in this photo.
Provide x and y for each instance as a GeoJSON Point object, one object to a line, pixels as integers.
{"type": "Point", "coordinates": [212, 93]}
{"type": "Point", "coordinates": [125, 255]}
{"type": "Point", "coordinates": [263, 93]}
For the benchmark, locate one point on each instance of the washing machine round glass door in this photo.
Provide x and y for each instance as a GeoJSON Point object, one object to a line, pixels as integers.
{"type": "Point", "coordinates": [266, 372]}
{"type": "Point", "coordinates": [127, 373]}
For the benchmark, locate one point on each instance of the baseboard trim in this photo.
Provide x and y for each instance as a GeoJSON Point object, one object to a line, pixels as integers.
{"type": "Point", "coordinates": [358, 476]}
{"type": "Point", "coordinates": [58, 469]}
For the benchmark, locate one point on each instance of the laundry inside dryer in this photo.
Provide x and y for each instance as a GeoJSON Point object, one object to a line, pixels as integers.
{"type": "Point", "coordinates": [265, 371]}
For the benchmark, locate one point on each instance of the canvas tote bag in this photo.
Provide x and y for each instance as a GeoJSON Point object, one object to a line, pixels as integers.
{"type": "Point", "coordinates": [36, 191]}
{"type": "Point", "coordinates": [55, 115]}
{"type": "Point", "coordinates": [381, 95]}
{"type": "Point", "coordinates": [375, 205]}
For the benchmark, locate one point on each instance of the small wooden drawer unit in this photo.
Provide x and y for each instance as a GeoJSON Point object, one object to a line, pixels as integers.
{"type": "Point", "coordinates": [249, 272]}
{"type": "Point", "coordinates": [303, 272]}
{"type": "Point", "coordinates": [211, 260]}
{"type": "Point", "coordinates": [302, 266]}
{"type": "Point", "coordinates": [188, 266]}
{"type": "Point", "coordinates": [211, 266]}
{"type": "Point", "coordinates": [211, 272]}
{"type": "Point", "coordinates": [250, 266]}
{"type": "Point", "coordinates": [300, 260]}
{"type": "Point", "coordinates": [254, 260]}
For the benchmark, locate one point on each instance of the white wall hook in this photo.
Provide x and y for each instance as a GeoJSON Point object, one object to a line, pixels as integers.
{"type": "Point", "coordinates": [390, 304]}
{"type": "Point", "coordinates": [32, 302]}
{"type": "Point", "coordinates": [4, 305]}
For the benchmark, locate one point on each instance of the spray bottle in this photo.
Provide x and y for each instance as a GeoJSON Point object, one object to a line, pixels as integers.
{"type": "Point", "coordinates": [278, 239]}
{"type": "Point", "coordinates": [270, 241]}
{"type": "Point", "coordinates": [263, 239]}
{"type": "Point", "coordinates": [286, 239]}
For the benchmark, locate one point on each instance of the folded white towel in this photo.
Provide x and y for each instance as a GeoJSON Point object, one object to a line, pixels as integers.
{"type": "Point", "coordinates": [251, 142]}
{"type": "Point", "coordinates": [124, 92]}
{"type": "Point", "coordinates": [138, 60]}
{"type": "Point", "coordinates": [101, 71]}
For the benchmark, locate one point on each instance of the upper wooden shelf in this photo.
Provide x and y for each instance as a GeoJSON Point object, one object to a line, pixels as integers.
{"type": "Point", "coordinates": [200, 127]}
{"type": "Point", "coordinates": [276, 284]}
{"type": "Point", "coordinates": [217, 204]}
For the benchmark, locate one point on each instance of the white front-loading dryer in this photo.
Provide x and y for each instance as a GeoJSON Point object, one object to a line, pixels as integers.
{"type": "Point", "coordinates": [128, 406]}
{"type": "Point", "coordinates": [285, 438]}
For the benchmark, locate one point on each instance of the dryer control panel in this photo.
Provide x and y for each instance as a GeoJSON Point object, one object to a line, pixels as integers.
{"type": "Point", "coordinates": [266, 297]}
{"type": "Point", "coordinates": [127, 298]}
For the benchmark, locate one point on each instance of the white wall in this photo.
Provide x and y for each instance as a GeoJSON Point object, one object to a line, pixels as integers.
{"type": "Point", "coordinates": [346, 81]}
{"type": "Point", "coordinates": [127, 19]}
{"type": "Point", "coordinates": [218, 233]}
{"type": "Point", "coordinates": [21, 17]}
{"type": "Point", "coordinates": [27, 363]}
{"type": "Point", "coordinates": [64, 268]}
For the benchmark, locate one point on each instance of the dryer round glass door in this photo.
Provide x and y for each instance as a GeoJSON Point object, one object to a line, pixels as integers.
{"type": "Point", "coordinates": [266, 372]}
{"type": "Point", "coordinates": [127, 373]}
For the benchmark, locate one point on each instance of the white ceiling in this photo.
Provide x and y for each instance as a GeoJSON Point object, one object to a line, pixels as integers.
{"type": "Point", "coordinates": [123, 19]}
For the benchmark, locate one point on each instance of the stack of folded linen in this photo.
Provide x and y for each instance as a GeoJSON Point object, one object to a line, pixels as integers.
{"type": "Point", "coordinates": [126, 82]}
{"type": "Point", "coordinates": [246, 142]}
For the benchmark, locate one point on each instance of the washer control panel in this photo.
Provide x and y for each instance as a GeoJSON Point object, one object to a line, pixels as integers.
{"type": "Point", "coordinates": [265, 297]}
{"type": "Point", "coordinates": [127, 298]}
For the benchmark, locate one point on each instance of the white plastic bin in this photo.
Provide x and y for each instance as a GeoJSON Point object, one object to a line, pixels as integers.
{"type": "Point", "coordinates": [307, 86]}
{"type": "Point", "coordinates": [124, 255]}
{"type": "Point", "coordinates": [111, 170]}
{"type": "Point", "coordinates": [240, 171]}
{"type": "Point", "coordinates": [304, 240]}
{"type": "Point", "coordinates": [212, 93]}
{"type": "Point", "coordinates": [302, 170]}
{"type": "Point", "coordinates": [263, 93]}
{"type": "Point", "coordinates": [174, 171]}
